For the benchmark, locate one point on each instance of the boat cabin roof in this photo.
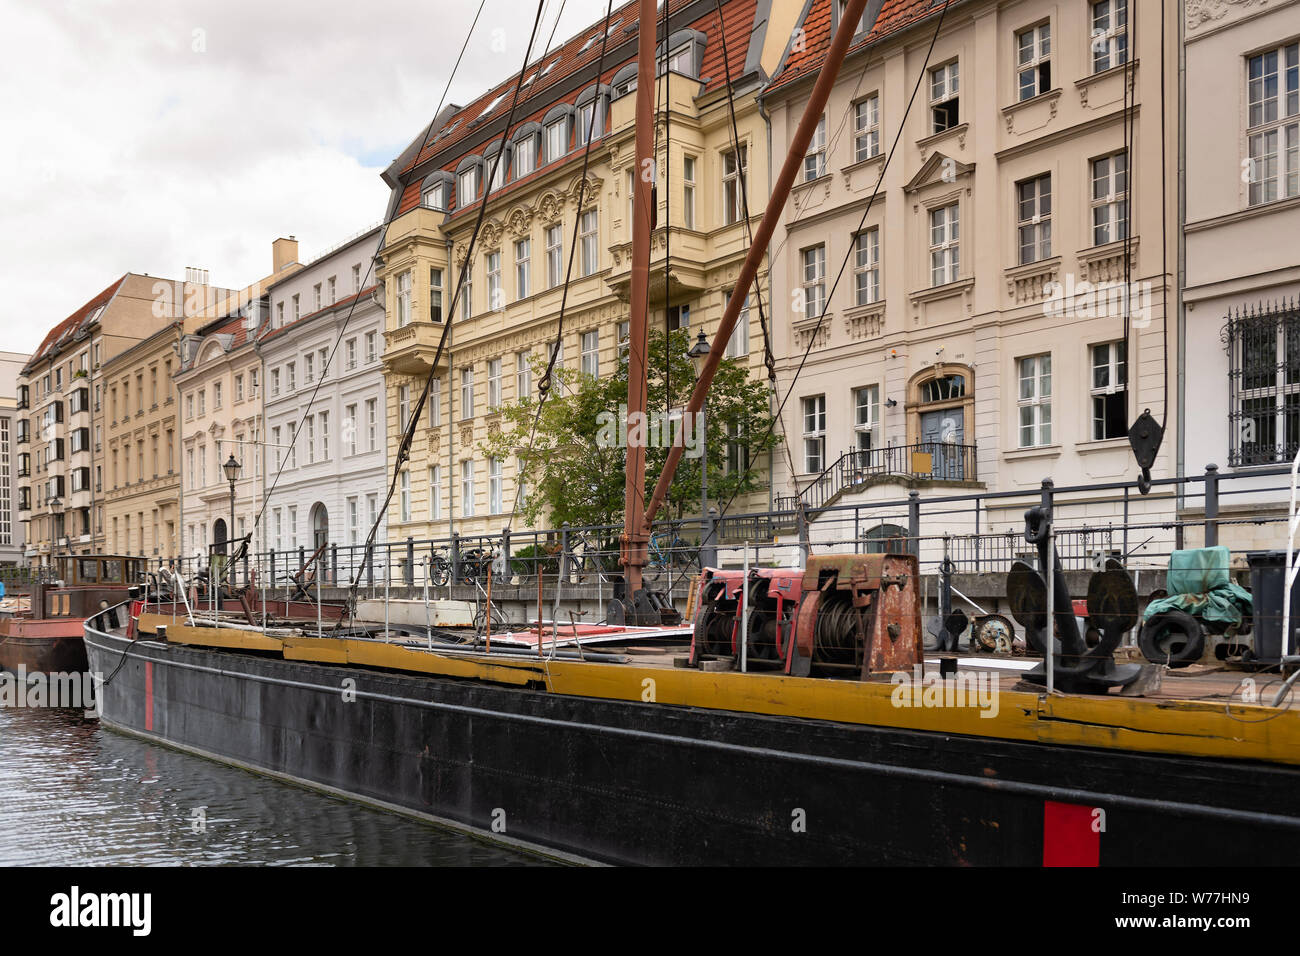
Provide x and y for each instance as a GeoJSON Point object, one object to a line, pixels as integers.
{"type": "Point", "coordinates": [99, 569]}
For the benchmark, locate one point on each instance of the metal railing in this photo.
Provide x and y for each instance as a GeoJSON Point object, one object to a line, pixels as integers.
{"type": "Point", "coordinates": [933, 460]}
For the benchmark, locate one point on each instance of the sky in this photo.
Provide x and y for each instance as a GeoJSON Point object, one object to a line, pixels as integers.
{"type": "Point", "coordinates": [151, 135]}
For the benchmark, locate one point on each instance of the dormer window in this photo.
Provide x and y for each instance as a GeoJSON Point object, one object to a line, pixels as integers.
{"type": "Point", "coordinates": [435, 197]}
{"type": "Point", "coordinates": [840, 7]}
{"type": "Point", "coordinates": [525, 156]}
{"type": "Point", "coordinates": [467, 185]}
{"type": "Point", "coordinates": [557, 139]}
{"type": "Point", "coordinates": [681, 59]}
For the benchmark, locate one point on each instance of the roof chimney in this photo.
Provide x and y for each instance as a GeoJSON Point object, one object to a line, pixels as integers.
{"type": "Point", "coordinates": [284, 252]}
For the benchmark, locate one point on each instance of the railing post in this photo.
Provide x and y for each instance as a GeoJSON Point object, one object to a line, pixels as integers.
{"type": "Point", "coordinates": [564, 552]}
{"type": "Point", "coordinates": [272, 566]}
{"type": "Point", "coordinates": [334, 565]}
{"type": "Point", "coordinates": [1211, 505]}
{"type": "Point", "coordinates": [455, 557]}
{"type": "Point", "coordinates": [801, 521]}
{"type": "Point", "coordinates": [914, 522]}
{"type": "Point", "coordinates": [409, 572]}
{"type": "Point", "coordinates": [505, 554]}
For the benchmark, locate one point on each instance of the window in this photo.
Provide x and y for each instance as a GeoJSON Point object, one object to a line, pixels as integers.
{"type": "Point", "coordinates": [467, 186]}
{"type": "Point", "coordinates": [494, 383]}
{"type": "Point", "coordinates": [435, 403]}
{"type": "Point", "coordinates": [372, 424]}
{"type": "Point", "coordinates": [1034, 61]}
{"type": "Point", "coordinates": [735, 169]}
{"type": "Point", "coordinates": [497, 165]}
{"type": "Point", "coordinates": [525, 156]}
{"type": "Point", "coordinates": [631, 201]}
{"type": "Point", "coordinates": [467, 488]}
{"type": "Point", "coordinates": [814, 160]}
{"type": "Point", "coordinates": [310, 424]}
{"type": "Point", "coordinates": [293, 445]}
{"type": "Point", "coordinates": [351, 353]}
{"type": "Point", "coordinates": [523, 268]}
{"type": "Point", "coordinates": [371, 350]}
{"type": "Point", "coordinates": [354, 524]}
{"type": "Point", "coordinates": [275, 443]}
{"type": "Point", "coordinates": [587, 242]}
{"type": "Point", "coordinates": [404, 406]}
{"type": "Point", "coordinates": [276, 517]}
{"type": "Point", "coordinates": [679, 317]}
{"type": "Point", "coordinates": [435, 492]}
{"type": "Point", "coordinates": [467, 295]}
{"type": "Point", "coordinates": [1264, 383]}
{"type": "Point", "coordinates": [738, 344]}
{"type": "Point", "coordinates": [680, 59]}
{"type": "Point", "coordinates": [1273, 140]}
{"type": "Point", "coordinates": [331, 286]}
{"type": "Point", "coordinates": [557, 139]}
{"type": "Point", "coordinates": [308, 367]}
{"type": "Point", "coordinates": [356, 279]}
{"type": "Point", "coordinates": [216, 395]}
{"type": "Point", "coordinates": [943, 98]}
{"type": "Point", "coordinates": [435, 197]}
{"type": "Point", "coordinates": [325, 436]}
{"type": "Point", "coordinates": [496, 298]}
{"type": "Point", "coordinates": [1109, 34]}
{"type": "Point", "coordinates": [590, 362]}
{"type": "Point", "coordinates": [521, 482]}
{"type": "Point", "coordinates": [866, 267]}
{"type": "Point", "coordinates": [1109, 199]}
{"type": "Point", "coordinates": [350, 428]}
{"type": "Point", "coordinates": [590, 119]}
{"type": "Point", "coordinates": [1034, 218]}
{"type": "Point", "coordinates": [554, 255]}
{"type": "Point", "coordinates": [372, 508]}
{"type": "Point", "coordinates": [866, 128]}
{"type": "Point", "coordinates": [945, 233]}
{"type": "Point", "coordinates": [289, 382]}
{"type": "Point", "coordinates": [296, 310]}
{"type": "Point", "coordinates": [814, 281]}
{"type": "Point", "coordinates": [840, 7]}
{"type": "Point", "coordinates": [1109, 390]}
{"type": "Point", "coordinates": [405, 494]}
{"type": "Point", "coordinates": [466, 393]}
{"type": "Point", "coordinates": [239, 388]}
{"type": "Point", "coordinates": [316, 296]}
{"type": "Point", "coordinates": [688, 192]}
{"type": "Point", "coordinates": [1035, 401]}
{"type": "Point", "coordinates": [404, 299]}
{"type": "Point", "coordinates": [866, 416]}
{"type": "Point", "coordinates": [494, 486]}
{"type": "Point", "coordinates": [814, 434]}
{"type": "Point", "coordinates": [523, 376]}
{"type": "Point", "coordinates": [203, 400]}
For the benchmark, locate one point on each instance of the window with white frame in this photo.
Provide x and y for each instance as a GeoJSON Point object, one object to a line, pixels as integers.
{"type": "Point", "coordinates": [354, 524]}
{"type": "Point", "coordinates": [1035, 402]}
{"type": "Point", "coordinates": [435, 197]}
{"type": "Point", "coordinates": [590, 120]}
{"type": "Point", "coordinates": [435, 492]}
{"type": "Point", "coordinates": [840, 7]}
{"type": "Point", "coordinates": [435, 403]}
{"type": "Point", "coordinates": [308, 368]}
{"type": "Point", "coordinates": [1034, 61]}
{"type": "Point", "coordinates": [1109, 390]}
{"type": "Point", "coordinates": [309, 425]}
{"type": "Point", "coordinates": [290, 381]}
{"type": "Point", "coordinates": [467, 295]}
{"type": "Point", "coordinates": [679, 317]}
{"type": "Point", "coordinates": [624, 339]}
{"type": "Point", "coordinates": [1034, 218]}
{"type": "Point", "coordinates": [525, 157]}
{"type": "Point", "coordinates": [316, 296]}
{"type": "Point", "coordinates": [814, 434]}
{"type": "Point", "coordinates": [293, 526]}
{"type": "Point", "coordinates": [372, 424]}
{"type": "Point", "coordinates": [688, 191]}
{"type": "Point", "coordinates": [494, 486]}
{"type": "Point", "coordinates": [496, 297]}
{"type": "Point", "coordinates": [275, 443]}
{"type": "Point", "coordinates": [588, 242]}
{"type": "Point", "coordinates": [735, 169]}
{"type": "Point", "coordinates": [372, 351]}
{"type": "Point", "coordinates": [866, 267]}
{"type": "Point", "coordinates": [554, 255]}
{"type": "Point", "coordinates": [467, 186]}
{"type": "Point", "coordinates": [1109, 34]}
{"type": "Point", "coordinates": [350, 425]}
{"type": "Point", "coordinates": [738, 344]}
{"type": "Point", "coordinates": [403, 406]}
{"type": "Point", "coordinates": [945, 238]}
{"type": "Point", "coordinates": [372, 509]}
{"type": "Point", "coordinates": [435, 295]}
{"type": "Point", "coordinates": [1109, 199]}
{"type": "Point", "coordinates": [497, 168]}
{"type": "Point", "coordinates": [356, 279]}
{"type": "Point", "coordinates": [944, 99]}
{"type": "Point", "coordinates": [404, 485]}
{"type": "Point", "coordinates": [557, 139]}
{"type": "Point", "coordinates": [814, 280]}
{"type": "Point", "coordinates": [590, 360]}
{"type": "Point", "coordinates": [521, 482]}
{"type": "Point", "coordinates": [523, 268]}
{"type": "Point", "coordinates": [467, 488]}
{"type": "Point", "coordinates": [866, 128]}
{"type": "Point", "coordinates": [494, 384]}
{"type": "Point", "coordinates": [1273, 124]}
{"type": "Point", "coordinates": [631, 193]}
{"type": "Point", "coordinates": [523, 376]}
{"type": "Point", "coordinates": [866, 417]}
{"type": "Point", "coordinates": [325, 436]}
{"type": "Point", "coordinates": [466, 393]}
{"type": "Point", "coordinates": [814, 160]}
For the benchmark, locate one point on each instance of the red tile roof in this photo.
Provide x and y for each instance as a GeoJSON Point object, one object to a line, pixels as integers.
{"type": "Point", "coordinates": [356, 297]}
{"type": "Point", "coordinates": [738, 22]}
{"type": "Point", "coordinates": [71, 323]}
{"type": "Point", "coordinates": [895, 15]}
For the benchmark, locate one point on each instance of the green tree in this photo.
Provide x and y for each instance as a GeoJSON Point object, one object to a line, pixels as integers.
{"type": "Point", "coordinates": [574, 463]}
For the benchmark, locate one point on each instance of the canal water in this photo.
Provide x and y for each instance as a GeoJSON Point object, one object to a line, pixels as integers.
{"type": "Point", "coordinates": [75, 794]}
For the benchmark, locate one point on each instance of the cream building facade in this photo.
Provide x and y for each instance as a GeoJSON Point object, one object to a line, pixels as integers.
{"type": "Point", "coordinates": [11, 528]}
{"type": "Point", "coordinates": [962, 350]}
{"type": "Point", "coordinates": [508, 317]}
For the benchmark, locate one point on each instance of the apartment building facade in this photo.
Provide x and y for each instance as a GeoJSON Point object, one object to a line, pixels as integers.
{"type": "Point", "coordinates": [11, 528]}
{"type": "Point", "coordinates": [61, 392]}
{"type": "Point", "coordinates": [325, 409]}
{"type": "Point", "coordinates": [507, 317]}
{"type": "Point", "coordinates": [1239, 384]}
{"type": "Point", "coordinates": [959, 310]}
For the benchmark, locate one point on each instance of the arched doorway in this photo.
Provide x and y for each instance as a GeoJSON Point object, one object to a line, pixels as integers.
{"type": "Point", "coordinates": [884, 538]}
{"type": "Point", "coordinates": [941, 411]}
{"type": "Point", "coordinates": [320, 525]}
{"type": "Point", "coordinates": [219, 536]}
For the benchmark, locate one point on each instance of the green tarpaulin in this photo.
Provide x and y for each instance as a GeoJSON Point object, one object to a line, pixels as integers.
{"type": "Point", "coordinates": [1199, 583]}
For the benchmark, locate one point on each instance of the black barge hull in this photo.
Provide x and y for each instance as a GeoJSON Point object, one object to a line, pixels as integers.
{"type": "Point", "coordinates": [623, 782]}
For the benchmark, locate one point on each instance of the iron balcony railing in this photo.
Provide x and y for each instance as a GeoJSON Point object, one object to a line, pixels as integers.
{"type": "Point", "coordinates": [932, 460]}
{"type": "Point", "coordinates": [1263, 344]}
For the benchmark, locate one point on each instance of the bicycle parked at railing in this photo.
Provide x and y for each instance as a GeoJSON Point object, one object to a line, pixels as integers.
{"type": "Point", "coordinates": [438, 568]}
{"type": "Point", "coordinates": [669, 550]}
{"type": "Point", "coordinates": [590, 558]}
{"type": "Point", "coordinates": [475, 563]}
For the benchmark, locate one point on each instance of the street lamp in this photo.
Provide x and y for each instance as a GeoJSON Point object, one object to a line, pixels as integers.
{"type": "Point", "coordinates": [231, 468]}
{"type": "Point", "coordinates": [55, 505]}
{"type": "Point", "coordinates": [699, 354]}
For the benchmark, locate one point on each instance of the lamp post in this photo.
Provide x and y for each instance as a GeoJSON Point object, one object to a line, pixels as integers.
{"type": "Point", "coordinates": [55, 505]}
{"type": "Point", "coordinates": [699, 354]}
{"type": "Point", "coordinates": [231, 468]}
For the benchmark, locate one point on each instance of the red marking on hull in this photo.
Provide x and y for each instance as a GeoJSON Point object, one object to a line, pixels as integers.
{"type": "Point", "coordinates": [148, 695]}
{"type": "Point", "coordinates": [1068, 835]}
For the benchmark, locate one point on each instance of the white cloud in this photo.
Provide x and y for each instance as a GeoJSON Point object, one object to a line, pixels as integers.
{"type": "Point", "coordinates": [149, 136]}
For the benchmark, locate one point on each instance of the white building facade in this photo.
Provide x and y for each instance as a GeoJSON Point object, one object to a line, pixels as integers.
{"type": "Point", "coordinates": [324, 457]}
